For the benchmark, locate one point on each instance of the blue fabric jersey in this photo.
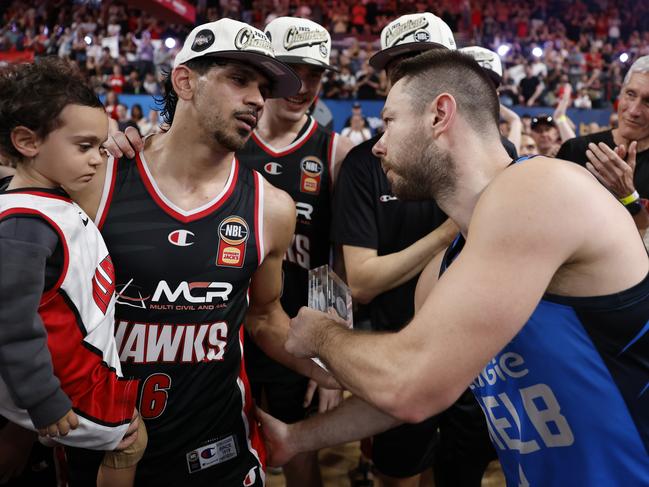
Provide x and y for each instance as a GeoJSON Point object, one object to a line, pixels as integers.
{"type": "Point", "coordinates": [567, 400]}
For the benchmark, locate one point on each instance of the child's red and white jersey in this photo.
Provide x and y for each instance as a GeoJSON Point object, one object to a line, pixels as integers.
{"type": "Point", "coordinates": [78, 315]}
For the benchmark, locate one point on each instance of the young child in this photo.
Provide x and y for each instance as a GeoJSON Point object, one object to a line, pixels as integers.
{"type": "Point", "coordinates": [59, 370]}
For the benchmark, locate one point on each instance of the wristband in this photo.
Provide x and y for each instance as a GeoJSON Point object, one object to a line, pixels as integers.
{"type": "Point", "coordinates": [562, 118]}
{"type": "Point", "coordinates": [632, 198]}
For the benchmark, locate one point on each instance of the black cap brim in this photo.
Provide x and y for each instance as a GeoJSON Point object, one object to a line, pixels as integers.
{"type": "Point", "coordinates": [382, 58]}
{"type": "Point", "coordinates": [307, 61]}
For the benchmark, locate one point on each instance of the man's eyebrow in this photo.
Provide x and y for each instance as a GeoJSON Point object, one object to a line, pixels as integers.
{"type": "Point", "coordinates": [88, 138]}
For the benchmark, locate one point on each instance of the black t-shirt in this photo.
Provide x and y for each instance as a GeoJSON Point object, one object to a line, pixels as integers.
{"type": "Point", "coordinates": [366, 214]}
{"type": "Point", "coordinates": [575, 150]}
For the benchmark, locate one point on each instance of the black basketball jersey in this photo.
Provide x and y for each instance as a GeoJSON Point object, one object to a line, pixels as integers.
{"type": "Point", "coordinates": [304, 170]}
{"type": "Point", "coordinates": [182, 293]}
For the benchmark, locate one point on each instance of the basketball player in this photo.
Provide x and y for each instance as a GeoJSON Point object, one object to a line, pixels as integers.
{"type": "Point", "coordinates": [197, 241]}
{"type": "Point", "coordinates": [386, 243]}
{"type": "Point", "coordinates": [298, 156]}
{"type": "Point", "coordinates": [295, 154]}
{"type": "Point", "coordinates": [546, 290]}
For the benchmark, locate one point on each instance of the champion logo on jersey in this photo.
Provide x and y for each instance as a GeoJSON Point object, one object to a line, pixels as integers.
{"type": "Point", "coordinates": [181, 238]}
{"type": "Point", "coordinates": [384, 198]}
{"type": "Point", "coordinates": [311, 168]}
{"type": "Point", "coordinates": [250, 478]}
{"type": "Point", "coordinates": [233, 234]}
{"type": "Point", "coordinates": [273, 168]}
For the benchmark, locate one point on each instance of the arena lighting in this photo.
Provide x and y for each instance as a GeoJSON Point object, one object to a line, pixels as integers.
{"type": "Point", "coordinates": [537, 52]}
{"type": "Point", "coordinates": [170, 42]}
{"type": "Point", "coordinates": [503, 50]}
{"type": "Point", "coordinates": [88, 40]}
{"type": "Point", "coordinates": [624, 57]}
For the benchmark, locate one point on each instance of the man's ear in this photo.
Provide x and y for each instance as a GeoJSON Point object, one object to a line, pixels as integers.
{"type": "Point", "coordinates": [442, 113]}
{"type": "Point", "coordinates": [25, 141]}
{"type": "Point", "coordinates": [183, 81]}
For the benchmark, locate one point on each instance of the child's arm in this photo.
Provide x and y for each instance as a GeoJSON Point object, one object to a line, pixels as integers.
{"type": "Point", "coordinates": [25, 361]}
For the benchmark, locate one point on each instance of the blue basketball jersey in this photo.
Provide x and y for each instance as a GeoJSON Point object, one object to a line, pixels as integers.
{"type": "Point", "coordinates": [567, 400]}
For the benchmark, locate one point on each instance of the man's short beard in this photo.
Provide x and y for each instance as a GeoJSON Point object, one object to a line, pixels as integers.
{"type": "Point", "coordinates": [429, 172]}
{"type": "Point", "coordinates": [231, 142]}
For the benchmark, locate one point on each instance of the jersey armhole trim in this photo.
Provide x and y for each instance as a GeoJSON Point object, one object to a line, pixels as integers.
{"type": "Point", "coordinates": [259, 216]}
{"type": "Point", "coordinates": [107, 193]}
{"type": "Point", "coordinates": [50, 293]}
{"type": "Point", "coordinates": [331, 155]}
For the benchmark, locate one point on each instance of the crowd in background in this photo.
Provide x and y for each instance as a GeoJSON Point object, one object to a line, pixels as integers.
{"type": "Point", "coordinates": [544, 44]}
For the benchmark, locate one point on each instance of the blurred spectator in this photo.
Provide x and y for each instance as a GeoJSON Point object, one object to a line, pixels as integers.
{"type": "Point", "coordinates": [367, 83]}
{"type": "Point", "coordinates": [528, 146]}
{"type": "Point", "coordinates": [530, 87]}
{"type": "Point", "coordinates": [123, 120]}
{"type": "Point", "coordinates": [111, 103]}
{"type": "Point", "coordinates": [357, 110]}
{"type": "Point", "coordinates": [357, 131]}
{"type": "Point", "coordinates": [545, 134]}
{"type": "Point", "coordinates": [116, 81]}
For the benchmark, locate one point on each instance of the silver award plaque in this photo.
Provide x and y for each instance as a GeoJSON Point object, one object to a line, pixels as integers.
{"type": "Point", "coordinates": [329, 293]}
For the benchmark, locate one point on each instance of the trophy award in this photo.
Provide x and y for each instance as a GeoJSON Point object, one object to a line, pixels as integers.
{"type": "Point", "coordinates": [328, 293]}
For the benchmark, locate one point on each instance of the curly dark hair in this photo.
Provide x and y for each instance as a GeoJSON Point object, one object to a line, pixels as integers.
{"type": "Point", "coordinates": [34, 95]}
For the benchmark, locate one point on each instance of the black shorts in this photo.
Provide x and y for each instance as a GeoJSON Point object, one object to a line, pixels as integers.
{"type": "Point", "coordinates": [284, 400]}
{"type": "Point", "coordinates": [465, 447]}
{"type": "Point", "coordinates": [406, 450]}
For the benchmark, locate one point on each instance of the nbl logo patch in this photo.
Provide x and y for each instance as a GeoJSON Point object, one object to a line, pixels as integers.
{"type": "Point", "coordinates": [233, 234]}
{"type": "Point", "coordinates": [311, 168]}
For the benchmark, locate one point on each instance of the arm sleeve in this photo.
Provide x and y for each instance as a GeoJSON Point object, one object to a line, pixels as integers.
{"type": "Point", "coordinates": [571, 150]}
{"type": "Point", "coordinates": [354, 221]}
{"type": "Point", "coordinates": [25, 362]}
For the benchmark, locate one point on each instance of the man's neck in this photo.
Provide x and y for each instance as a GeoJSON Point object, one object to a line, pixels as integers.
{"type": "Point", "coordinates": [187, 159]}
{"type": "Point", "coordinates": [471, 178]}
{"type": "Point", "coordinates": [279, 132]}
{"type": "Point", "coordinates": [643, 144]}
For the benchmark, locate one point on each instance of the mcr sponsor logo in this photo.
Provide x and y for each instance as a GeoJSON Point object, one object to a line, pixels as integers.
{"type": "Point", "coordinates": [233, 234]}
{"type": "Point", "coordinates": [192, 292]}
{"type": "Point", "coordinates": [181, 238]}
{"type": "Point", "coordinates": [103, 284]}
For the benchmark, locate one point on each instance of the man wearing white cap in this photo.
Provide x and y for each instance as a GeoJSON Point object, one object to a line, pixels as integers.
{"type": "Point", "coordinates": [195, 236]}
{"type": "Point", "coordinates": [490, 62]}
{"type": "Point", "coordinates": [295, 154]}
{"type": "Point", "coordinates": [386, 243]}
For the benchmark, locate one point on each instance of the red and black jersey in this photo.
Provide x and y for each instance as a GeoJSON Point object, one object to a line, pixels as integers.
{"type": "Point", "coordinates": [304, 170]}
{"type": "Point", "coordinates": [182, 293]}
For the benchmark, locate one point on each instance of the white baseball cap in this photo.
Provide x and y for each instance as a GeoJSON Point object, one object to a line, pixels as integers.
{"type": "Point", "coordinates": [488, 60]}
{"type": "Point", "coordinates": [231, 39]}
{"type": "Point", "coordinates": [412, 33]}
{"type": "Point", "coordinates": [300, 41]}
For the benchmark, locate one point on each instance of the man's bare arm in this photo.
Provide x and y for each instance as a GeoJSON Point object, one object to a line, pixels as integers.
{"type": "Point", "coordinates": [352, 420]}
{"type": "Point", "coordinates": [369, 274]}
{"type": "Point", "coordinates": [266, 320]}
{"type": "Point", "coordinates": [474, 310]}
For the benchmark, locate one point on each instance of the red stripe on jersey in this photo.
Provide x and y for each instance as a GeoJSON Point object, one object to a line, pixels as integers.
{"type": "Point", "coordinates": [271, 152]}
{"type": "Point", "coordinates": [66, 255]}
{"type": "Point", "coordinates": [256, 439]}
{"type": "Point", "coordinates": [257, 233]}
{"type": "Point", "coordinates": [43, 194]}
{"type": "Point", "coordinates": [96, 392]}
{"type": "Point", "coordinates": [330, 157]}
{"type": "Point", "coordinates": [173, 213]}
{"type": "Point", "coordinates": [109, 198]}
